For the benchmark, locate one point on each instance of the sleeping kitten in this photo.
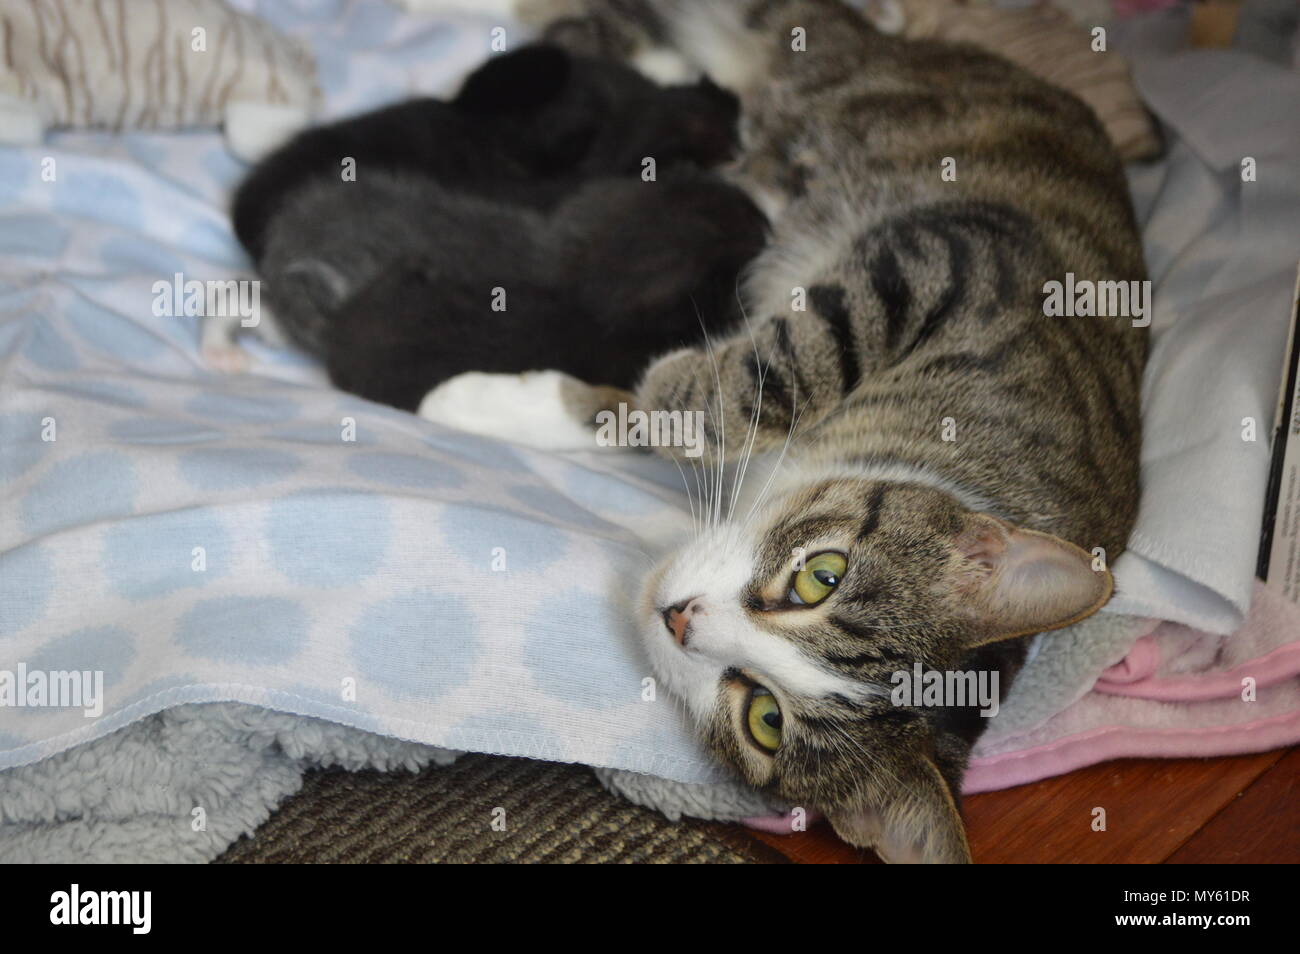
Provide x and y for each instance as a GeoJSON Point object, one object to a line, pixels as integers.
{"type": "Point", "coordinates": [490, 233]}
{"type": "Point", "coordinates": [960, 468]}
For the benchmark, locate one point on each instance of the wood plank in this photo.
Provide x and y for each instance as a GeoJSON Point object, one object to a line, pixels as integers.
{"type": "Point", "coordinates": [1153, 806]}
{"type": "Point", "coordinates": [819, 845]}
{"type": "Point", "coordinates": [1261, 826]}
{"type": "Point", "coordinates": [1214, 23]}
{"type": "Point", "coordinates": [748, 842]}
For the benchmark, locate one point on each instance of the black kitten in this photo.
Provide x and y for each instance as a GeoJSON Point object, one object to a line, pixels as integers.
{"type": "Point", "coordinates": [506, 230]}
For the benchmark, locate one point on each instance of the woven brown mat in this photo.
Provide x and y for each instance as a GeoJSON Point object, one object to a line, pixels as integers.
{"type": "Point", "coordinates": [553, 813]}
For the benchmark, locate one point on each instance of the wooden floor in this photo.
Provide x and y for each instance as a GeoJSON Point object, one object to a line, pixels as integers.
{"type": "Point", "coordinates": [1182, 811]}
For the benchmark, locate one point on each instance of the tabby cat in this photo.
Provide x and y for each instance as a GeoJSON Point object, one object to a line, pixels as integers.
{"type": "Point", "coordinates": [958, 467]}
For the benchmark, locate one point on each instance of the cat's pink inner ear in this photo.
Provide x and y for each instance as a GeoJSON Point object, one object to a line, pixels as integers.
{"type": "Point", "coordinates": [1023, 581]}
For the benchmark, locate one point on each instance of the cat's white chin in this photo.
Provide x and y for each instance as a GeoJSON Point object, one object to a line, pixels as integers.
{"type": "Point", "coordinates": [692, 678]}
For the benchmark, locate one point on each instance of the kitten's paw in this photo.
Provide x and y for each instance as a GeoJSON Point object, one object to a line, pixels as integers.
{"type": "Point", "coordinates": [228, 359]}
{"type": "Point", "coordinates": [536, 408]}
{"type": "Point", "coordinates": [666, 67]}
{"type": "Point", "coordinates": [219, 349]}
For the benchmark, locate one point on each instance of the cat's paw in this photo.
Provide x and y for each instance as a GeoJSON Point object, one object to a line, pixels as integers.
{"type": "Point", "coordinates": [535, 408]}
{"type": "Point", "coordinates": [670, 378]}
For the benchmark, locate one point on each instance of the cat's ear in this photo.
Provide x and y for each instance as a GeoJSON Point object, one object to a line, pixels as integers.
{"type": "Point", "coordinates": [1016, 582]}
{"type": "Point", "coordinates": [517, 82]}
{"type": "Point", "coordinates": [917, 822]}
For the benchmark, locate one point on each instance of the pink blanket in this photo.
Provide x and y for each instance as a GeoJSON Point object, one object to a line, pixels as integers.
{"type": "Point", "coordinates": [1179, 693]}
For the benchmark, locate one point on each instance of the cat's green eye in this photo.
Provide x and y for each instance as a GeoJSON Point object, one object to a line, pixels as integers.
{"type": "Point", "coordinates": [764, 719]}
{"type": "Point", "coordinates": [821, 574]}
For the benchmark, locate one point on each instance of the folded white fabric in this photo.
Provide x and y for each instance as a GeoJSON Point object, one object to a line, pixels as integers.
{"type": "Point", "coordinates": [1222, 251]}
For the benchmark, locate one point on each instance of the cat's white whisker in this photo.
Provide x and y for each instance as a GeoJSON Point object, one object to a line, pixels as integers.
{"type": "Point", "coordinates": [752, 434]}
{"type": "Point", "coordinates": [721, 439]}
{"type": "Point", "coordinates": [689, 500]}
{"type": "Point", "coordinates": [795, 416]}
{"type": "Point", "coordinates": [700, 483]}
{"type": "Point", "coordinates": [712, 483]}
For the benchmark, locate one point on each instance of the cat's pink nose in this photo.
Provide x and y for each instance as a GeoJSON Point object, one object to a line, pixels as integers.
{"type": "Point", "coordinates": [678, 619]}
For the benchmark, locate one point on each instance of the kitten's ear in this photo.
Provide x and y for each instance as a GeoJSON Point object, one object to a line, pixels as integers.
{"type": "Point", "coordinates": [1019, 582]}
{"type": "Point", "coordinates": [720, 95]}
{"type": "Point", "coordinates": [517, 82]}
{"type": "Point", "coordinates": [919, 824]}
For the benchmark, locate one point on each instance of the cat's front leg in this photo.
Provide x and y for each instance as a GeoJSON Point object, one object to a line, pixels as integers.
{"type": "Point", "coordinates": [548, 410]}
{"type": "Point", "coordinates": [751, 391]}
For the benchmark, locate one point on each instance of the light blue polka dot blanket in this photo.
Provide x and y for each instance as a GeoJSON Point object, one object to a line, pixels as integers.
{"type": "Point", "coordinates": [261, 538]}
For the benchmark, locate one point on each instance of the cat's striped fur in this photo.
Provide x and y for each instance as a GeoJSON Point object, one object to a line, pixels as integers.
{"type": "Point", "coordinates": [965, 452]}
